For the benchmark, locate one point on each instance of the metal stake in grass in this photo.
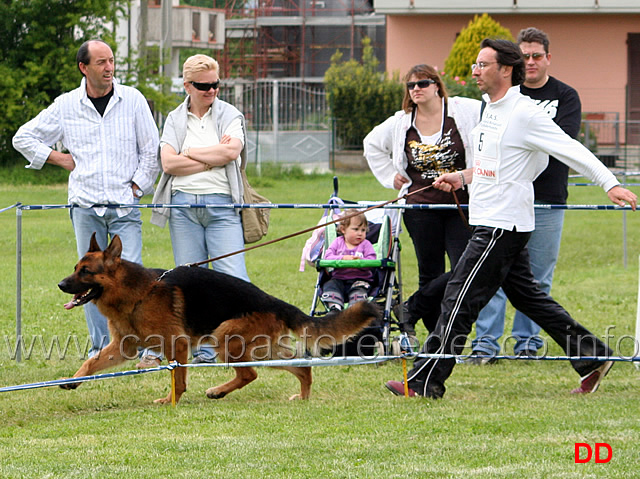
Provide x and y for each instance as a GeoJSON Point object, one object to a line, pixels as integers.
{"type": "Point", "coordinates": [173, 387]}
{"type": "Point", "coordinates": [404, 373]}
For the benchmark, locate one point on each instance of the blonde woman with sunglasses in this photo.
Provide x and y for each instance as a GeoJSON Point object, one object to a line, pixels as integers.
{"type": "Point", "coordinates": [201, 149]}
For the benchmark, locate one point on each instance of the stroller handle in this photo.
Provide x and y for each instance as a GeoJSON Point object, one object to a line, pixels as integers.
{"type": "Point", "coordinates": [335, 187]}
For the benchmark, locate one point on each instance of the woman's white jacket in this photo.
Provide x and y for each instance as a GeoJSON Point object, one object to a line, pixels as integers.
{"type": "Point", "coordinates": [384, 145]}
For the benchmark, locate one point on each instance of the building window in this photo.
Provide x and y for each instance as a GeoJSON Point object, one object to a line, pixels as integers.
{"type": "Point", "coordinates": [195, 26]}
{"type": "Point", "coordinates": [212, 28]}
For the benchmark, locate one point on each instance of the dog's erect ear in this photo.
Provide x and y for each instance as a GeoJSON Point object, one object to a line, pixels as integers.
{"type": "Point", "coordinates": [93, 244]}
{"type": "Point", "coordinates": [114, 250]}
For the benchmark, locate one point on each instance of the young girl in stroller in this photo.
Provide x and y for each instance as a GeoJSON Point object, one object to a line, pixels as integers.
{"type": "Point", "coordinates": [352, 283]}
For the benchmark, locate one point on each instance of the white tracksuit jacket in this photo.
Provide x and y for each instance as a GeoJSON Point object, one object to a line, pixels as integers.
{"type": "Point", "coordinates": [511, 148]}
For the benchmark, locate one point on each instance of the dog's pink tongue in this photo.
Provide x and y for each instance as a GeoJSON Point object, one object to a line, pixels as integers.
{"type": "Point", "coordinates": [69, 305]}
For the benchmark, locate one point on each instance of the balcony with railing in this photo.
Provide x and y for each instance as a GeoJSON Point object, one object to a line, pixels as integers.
{"type": "Point", "coordinates": [404, 7]}
{"type": "Point", "coordinates": [192, 27]}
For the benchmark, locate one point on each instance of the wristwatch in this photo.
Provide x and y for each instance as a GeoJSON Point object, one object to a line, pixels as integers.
{"type": "Point", "coordinates": [138, 193]}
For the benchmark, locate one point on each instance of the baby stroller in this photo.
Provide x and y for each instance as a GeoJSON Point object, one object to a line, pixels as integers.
{"type": "Point", "coordinates": [385, 287]}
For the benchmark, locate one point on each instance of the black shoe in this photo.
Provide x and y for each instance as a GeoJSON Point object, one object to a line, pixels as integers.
{"type": "Point", "coordinates": [404, 322]}
{"type": "Point", "coordinates": [527, 353]}
{"type": "Point", "coordinates": [408, 328]}
{"type": "Point", "coordinates": [401, 309]}
{"type": "Point", "coordinates": [331, 306]}
{"type": "Point", "coordinates": [481, 358]}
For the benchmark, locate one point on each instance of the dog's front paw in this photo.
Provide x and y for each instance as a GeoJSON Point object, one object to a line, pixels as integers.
{"type": "Point", "coordinates": [166, 400]}
{"type": "Point", "coordinates": [69, 386]}
{"type": "Point", "coordinates": [213, 393]}
{"type": "Point", "coordinates": [296, 397]}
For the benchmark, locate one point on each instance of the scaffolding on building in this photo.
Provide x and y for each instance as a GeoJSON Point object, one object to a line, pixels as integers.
{"type": "Point", "coordinates": [296, 38]}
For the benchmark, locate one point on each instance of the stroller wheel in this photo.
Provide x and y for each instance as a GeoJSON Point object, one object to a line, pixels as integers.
{"type": "Point", "coordinates": [396, 350]}
{"type": "Point", "coordinates": [380, 350]}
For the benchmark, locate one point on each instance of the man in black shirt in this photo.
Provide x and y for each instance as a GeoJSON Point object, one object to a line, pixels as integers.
{"type": "Point", "coordinates": [562, 103]}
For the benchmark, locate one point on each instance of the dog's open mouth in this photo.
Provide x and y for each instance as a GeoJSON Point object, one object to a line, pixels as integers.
{"type": "Point", "coordinates": [82, 298]}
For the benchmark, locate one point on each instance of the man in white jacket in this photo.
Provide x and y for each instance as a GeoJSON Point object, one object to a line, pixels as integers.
{"type": "Point", "coordinates": [511, 148]}
{"type": "Point", "coordinates": [111, 140]}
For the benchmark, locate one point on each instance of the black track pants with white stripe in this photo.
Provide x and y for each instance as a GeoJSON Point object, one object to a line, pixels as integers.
{"type": "Point", "coordinates": [495, 257]}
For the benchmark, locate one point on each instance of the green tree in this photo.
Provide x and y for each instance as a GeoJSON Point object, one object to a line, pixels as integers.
{"type": "Point", "coordinates": [457, 86]}
{"type": "Point", "coordinates": [39, 40]}
{"type": "Point", "coordinates": [360, 96]}
{"type": "Point", "coordinates": [38, 43]}
{"type": "Point", "coordinates": [145, 74]}
{"type": "Point", "coordinates": [465, 49]}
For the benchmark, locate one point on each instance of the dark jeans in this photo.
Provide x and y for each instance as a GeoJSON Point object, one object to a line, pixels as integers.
{"type": "Point", "coordinates": [435, 233]}
{"type": "Point", "coordinates": [494, 258]}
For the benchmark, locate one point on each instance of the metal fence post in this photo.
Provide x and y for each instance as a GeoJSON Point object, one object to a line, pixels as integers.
{"type": "Point", "coordinates": [19, 282]}
{"type": "Point", "coordinates": [636, 349]}
{"type": "Point", "coordinates": [624, 225]}
{"type": "Point", "coordinates": [275, 112]}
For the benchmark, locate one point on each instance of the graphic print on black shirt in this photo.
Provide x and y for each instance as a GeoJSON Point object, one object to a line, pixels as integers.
{"type": "Point", "coordinates": [434, 160]}
{"type": "Point", "coordinates": [426, 162]}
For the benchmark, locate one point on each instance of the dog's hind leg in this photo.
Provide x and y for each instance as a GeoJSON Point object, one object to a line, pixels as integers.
{"type": "Point", "coordinates": [234, 347]}
{"type": "Point", "coordinates": [243, 377]}
{"type": "Point", "coordinates": [181, 355]}
{"type": "Point", "coordinates": [304, 376]}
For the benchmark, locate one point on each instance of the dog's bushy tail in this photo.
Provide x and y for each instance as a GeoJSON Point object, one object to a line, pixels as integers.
{"type": "Point", "coordinates": [337, 326]}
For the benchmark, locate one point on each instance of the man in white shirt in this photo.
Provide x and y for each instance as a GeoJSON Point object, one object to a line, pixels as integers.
{"type": "Point", "coordinates": [112, 143]}
{"type": "Point", "coordinates": [511, 148]}
{"type": "Point", "coordinates": [561, 103]}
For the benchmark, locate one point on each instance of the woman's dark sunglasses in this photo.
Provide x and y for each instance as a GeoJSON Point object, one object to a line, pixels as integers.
{"type": "Point", "coordinates": [420, 84]}
{"type": "Point", "coordinates": [205, 86]}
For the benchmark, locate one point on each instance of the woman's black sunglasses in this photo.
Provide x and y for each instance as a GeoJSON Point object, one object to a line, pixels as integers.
{"type": "Point", "coordinates": [420, 84]}
{"type": "Point", "coordinates": [205, 86]}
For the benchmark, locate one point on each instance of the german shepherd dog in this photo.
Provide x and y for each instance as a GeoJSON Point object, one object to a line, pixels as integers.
{"type": "Point", "coordinates": [176, 309]}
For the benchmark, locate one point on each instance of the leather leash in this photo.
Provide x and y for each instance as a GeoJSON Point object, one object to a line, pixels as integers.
{"type": "Point", "coordinates": [307, 230]}
{"type": "Point", "coordinates": [465, 221]}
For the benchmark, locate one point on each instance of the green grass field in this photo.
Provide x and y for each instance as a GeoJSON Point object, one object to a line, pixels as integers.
{"type": "Point", "coordinates": [512, 419]}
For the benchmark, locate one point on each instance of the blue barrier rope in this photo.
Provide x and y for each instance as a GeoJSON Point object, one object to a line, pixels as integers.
{"type": "Point", "coordinates": [630, 359]}
{"type": "Point", "coordinates": [9, 207]}
{"type": "Point", "coordinates": [306, 362]}
{"type": "Point", "coordinates": [320, 206]}
{"type": "Point", "coordinates": [84, 379]}
{"type": "Point", "coordinates": [593, 184]}
{"type": "Point", "coordinates": [300, 362]}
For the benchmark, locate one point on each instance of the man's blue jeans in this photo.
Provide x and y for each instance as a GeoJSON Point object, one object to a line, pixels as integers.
{"type": "Point", "coordinates": [198, 234]}
{"type": "Point", "coordinates": [544, 246]}
{"type": "Point", "coordinates": [85, 222]}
